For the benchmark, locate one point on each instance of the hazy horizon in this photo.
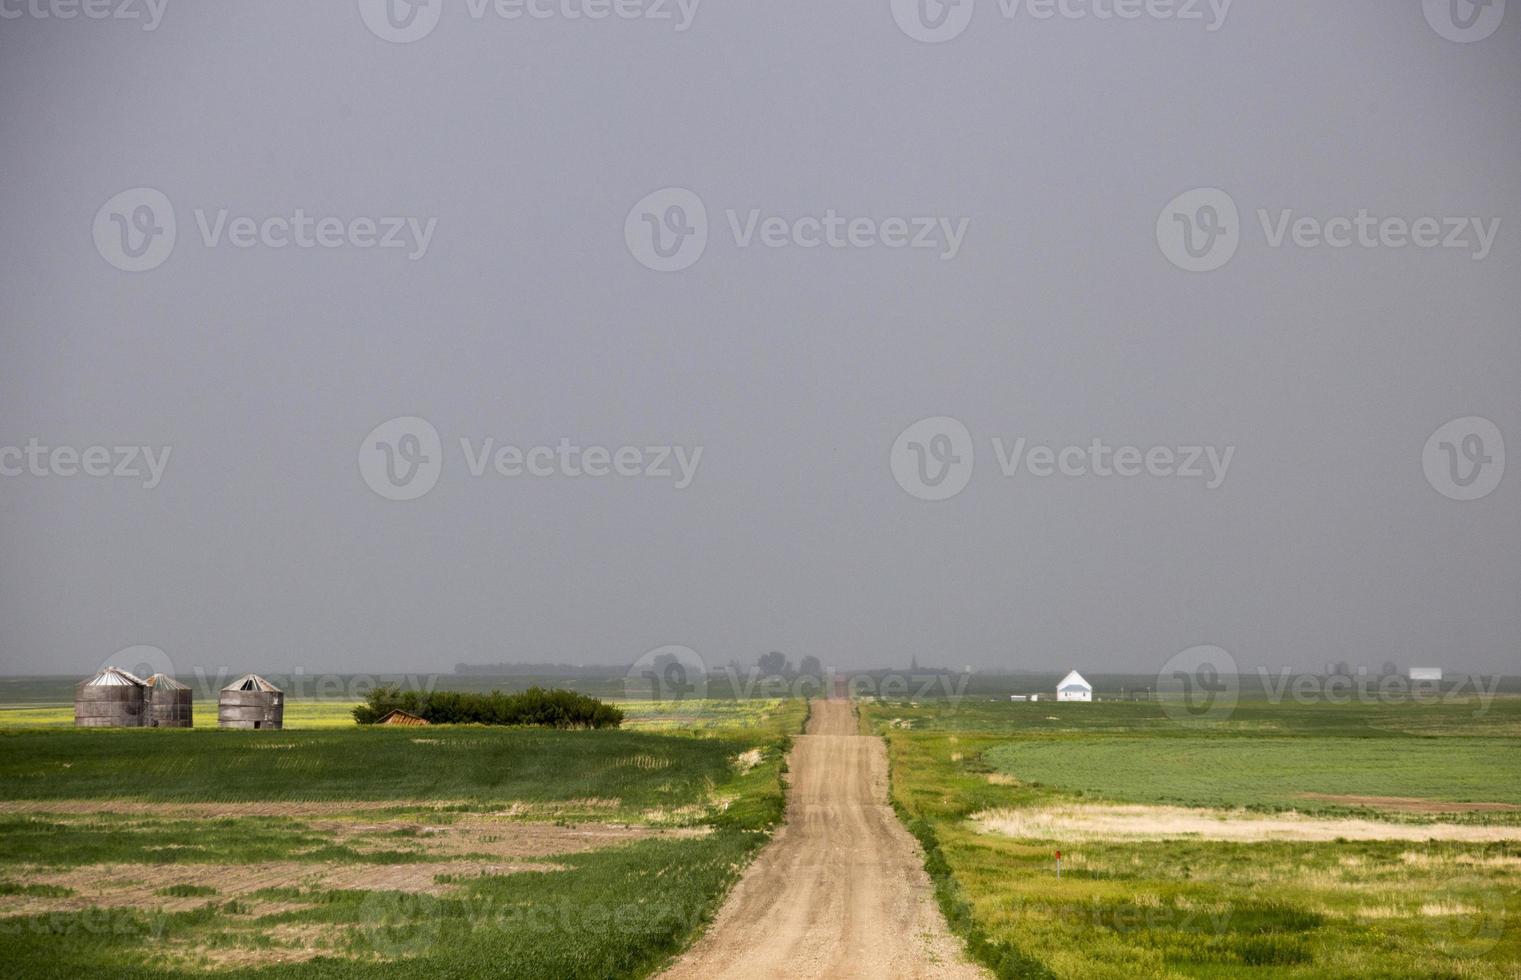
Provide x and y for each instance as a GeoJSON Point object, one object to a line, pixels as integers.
{"type": "Point", "coordinates": [516, 163]}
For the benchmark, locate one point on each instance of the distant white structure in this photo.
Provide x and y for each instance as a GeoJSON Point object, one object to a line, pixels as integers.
{"type": "Point", "coordinates": [1074, 687]}
{"type": "Point", "coordinates": [1019, 697]}
{"type": "Point", "coordinates": [1425, 673]}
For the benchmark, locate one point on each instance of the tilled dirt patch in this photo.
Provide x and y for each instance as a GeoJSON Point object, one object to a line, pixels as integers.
{"type": "Point", "coordinates": [1411, 804]}
{"type": "Point", "coordinates": [139, 885]}
{"type": "Point", "coordinates": [476, 835]}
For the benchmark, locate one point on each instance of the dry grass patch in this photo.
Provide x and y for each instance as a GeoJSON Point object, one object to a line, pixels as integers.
{"type": "Point", "coordinates": [1137, 822]}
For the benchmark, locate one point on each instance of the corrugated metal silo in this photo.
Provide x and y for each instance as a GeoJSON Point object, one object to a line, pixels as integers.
{"type": "Point", "coordinates": [168, 703]}
{"type": "Point", "coordinates": [251, 702]}
{"type": "Point", "coordinates": [112, 698]}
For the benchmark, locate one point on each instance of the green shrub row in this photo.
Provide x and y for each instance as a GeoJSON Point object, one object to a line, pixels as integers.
{"type": "Point", "coordinates": [535, 706]}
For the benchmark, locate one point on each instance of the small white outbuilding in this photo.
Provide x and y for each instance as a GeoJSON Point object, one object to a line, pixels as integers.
{"type": "Point", "coordinates": [1074, 687]}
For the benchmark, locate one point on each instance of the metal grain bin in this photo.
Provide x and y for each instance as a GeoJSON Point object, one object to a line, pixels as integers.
{"type": "Point", "coordinates": [251, 702]}
{"type": "Point", "coordinates": [167, 703]}
{"type": "Point", "coordinates": [112, 698]}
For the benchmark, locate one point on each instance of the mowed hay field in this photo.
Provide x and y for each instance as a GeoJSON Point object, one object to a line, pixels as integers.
{"type": "Point", "coordinates": [1320, 840]}
{"type": "Point", "coordinates": [456, 851]}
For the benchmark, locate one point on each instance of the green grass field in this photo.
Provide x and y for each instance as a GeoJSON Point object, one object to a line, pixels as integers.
{"type": "Point", "coordinates": [1187, 907]}
{"type": "Point", "coordinates": [85, 812]}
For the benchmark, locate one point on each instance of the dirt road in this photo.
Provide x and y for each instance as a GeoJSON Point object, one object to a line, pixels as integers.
{"type": "Point", "coordinates": [841, 890]}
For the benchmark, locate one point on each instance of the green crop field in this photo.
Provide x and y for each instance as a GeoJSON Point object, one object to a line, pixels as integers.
{"type": "Point", "coordinates": [1176, 902]}
{"type": "Point", "coordinates": [298, 715]}
{"type": "Point", "coordinates": [338, 853]}
{"type": "Point", "coordinates": [1276, 772]}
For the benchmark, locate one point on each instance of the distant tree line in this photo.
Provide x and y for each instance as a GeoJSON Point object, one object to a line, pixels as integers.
{"type": "Point", "coordinates": [535, 706]}
{"type": "Point", "coordinates": [776, 664]}
{"type": "Point", "coordinates": [536, 670]}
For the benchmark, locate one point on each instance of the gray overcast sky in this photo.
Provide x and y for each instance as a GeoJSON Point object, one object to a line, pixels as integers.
{"type": "Point", "coordinates": [530, 319]}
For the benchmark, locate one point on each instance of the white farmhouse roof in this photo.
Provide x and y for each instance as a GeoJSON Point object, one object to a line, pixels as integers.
{"type": "Point", "coordinates": [1074, 679]}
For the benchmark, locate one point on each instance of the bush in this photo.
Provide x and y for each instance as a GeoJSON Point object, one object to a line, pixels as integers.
{"type": "Point", "coordinates": [535, 706]}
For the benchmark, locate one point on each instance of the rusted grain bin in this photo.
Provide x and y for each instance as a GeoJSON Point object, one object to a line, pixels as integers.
{"type": "Point", "coordinates": [400, 717]}
{"type": "Point", "coordinates": [168, 703]}
{"type": "Point", "coordinates": [251, 702]}
{"type": "Point", "coordinates": [112, 698]}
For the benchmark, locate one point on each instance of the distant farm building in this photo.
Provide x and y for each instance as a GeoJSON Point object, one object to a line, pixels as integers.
{"type": "Point", "coordinates": [1074, 688]}
{"type": "Point", "coordinates": [1019, 697]}
{"type": "Point", "coordinates": [112, 698]}
{"type": "Point", "coordinates": [1425, 673]}
{"type": "Point", "coordinates": [400, 717]}
{"type": "Point", "coordinates": [166, 703]}
{"type": "Point", "coordinates": [251, 702]}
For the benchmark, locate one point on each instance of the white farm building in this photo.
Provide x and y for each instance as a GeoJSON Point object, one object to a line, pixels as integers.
{"type": "Point", "coordinates": [1074, 688]}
